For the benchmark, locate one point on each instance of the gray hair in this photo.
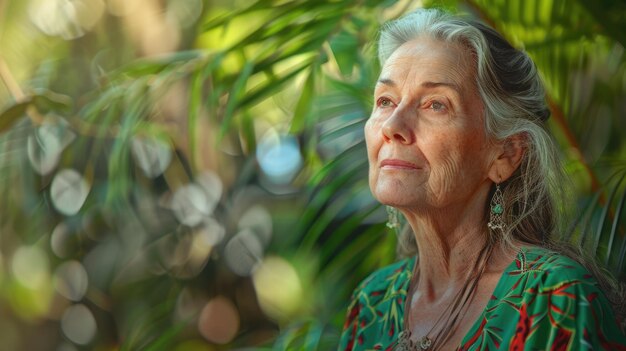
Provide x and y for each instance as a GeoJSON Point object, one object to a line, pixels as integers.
{"type": "Point", "coordinates": [514, 103]}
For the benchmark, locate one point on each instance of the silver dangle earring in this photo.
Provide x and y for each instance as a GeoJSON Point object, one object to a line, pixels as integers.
{"type": "Point", "coordinates": [496, 206]}
{"type": "Point", "coordinates": [392, 222]}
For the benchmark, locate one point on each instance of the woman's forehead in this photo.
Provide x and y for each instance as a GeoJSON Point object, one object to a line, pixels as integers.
{"type": "Point", "coordinates": [428, 59]}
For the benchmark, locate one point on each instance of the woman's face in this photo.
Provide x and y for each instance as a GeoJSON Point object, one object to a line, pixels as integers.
{"type": "Point", "coordinates": [426, 143]}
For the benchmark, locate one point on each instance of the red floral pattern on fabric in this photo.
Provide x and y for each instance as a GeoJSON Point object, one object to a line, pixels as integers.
{"type": "Point", "coordinates": [543, 301]}
{"type": "Point", "coordinates": [522, 330]}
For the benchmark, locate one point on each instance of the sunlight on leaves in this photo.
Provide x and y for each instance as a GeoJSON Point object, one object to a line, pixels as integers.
{"type": "Point", "coordinates": [191, 175]}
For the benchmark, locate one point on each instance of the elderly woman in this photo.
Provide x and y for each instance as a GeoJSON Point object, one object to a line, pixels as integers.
{"type": "Point", "coordinates": [457, 143]}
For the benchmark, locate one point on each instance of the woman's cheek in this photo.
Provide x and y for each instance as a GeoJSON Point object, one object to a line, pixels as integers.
{"type": "Point", "coordinates": [370, 138]}
{"type": "Point", "coordinates": [444, 176]}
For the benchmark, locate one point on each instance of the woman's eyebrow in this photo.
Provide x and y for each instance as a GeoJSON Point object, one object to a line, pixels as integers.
{"type": "Point", "coordinates": [439, 84]}
{"type": "Point", "coordinates": [387, 81]}
{"type": "Point", "coordinates": [427, 84]}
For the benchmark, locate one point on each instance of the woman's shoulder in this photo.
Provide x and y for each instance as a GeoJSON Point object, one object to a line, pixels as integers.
{"type": "Point", "coordinates": [539, 278]}
{"type": "Point", "coordinates": [546, 298]}
{"type": "Point", "coordinates": [375, 312]}
{"type": "Point", "coordinates": [392, 277]}
{"type": "Point", "coordinates": [549, 266]}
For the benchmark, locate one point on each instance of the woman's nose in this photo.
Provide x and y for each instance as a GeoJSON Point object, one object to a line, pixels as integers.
{"type": "Point", "coordinates": [395, 129]}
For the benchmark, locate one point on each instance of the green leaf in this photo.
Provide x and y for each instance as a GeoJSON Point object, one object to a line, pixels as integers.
{"type": "Point", "coordinates": [602, 221]}
{"type": "Point", "coordinates": [223, 19]}
{"type": "Point", "coordinates": [265, 90]}
{"type": "Point", "coordinates": [303, 107]}
{"type": "Point", "coordinates": [235, 96]}
{"type": "Point", "coordinates": [619, 267]}
{"type": "Point", "coordinates": [155, 65]}
{"type": "Point", "coordinates": [195, 96]}
{"type": "Point", "coordinates": [46, 100]}
{"type": "Point", "coordinates": [248, 132]}
{"type": "Point", "coordinates": [344, 47]}
{"type": "Point", "coordinates": [13, 114]}
{"type": "Point", "coordinates": [166, 340]}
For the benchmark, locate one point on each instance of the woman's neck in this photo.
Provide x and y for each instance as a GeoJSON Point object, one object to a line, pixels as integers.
{"type": "Point", "coordinates": [449, 243]}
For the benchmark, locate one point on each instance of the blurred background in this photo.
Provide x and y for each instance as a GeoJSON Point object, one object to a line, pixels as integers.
{"type": "Point", "coordinates": [191, 174]}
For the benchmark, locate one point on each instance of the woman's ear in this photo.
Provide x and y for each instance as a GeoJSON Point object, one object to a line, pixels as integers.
{"type": "Point", "coordinates": [510, 154]}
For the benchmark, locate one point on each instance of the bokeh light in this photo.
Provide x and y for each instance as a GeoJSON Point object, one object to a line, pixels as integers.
{"type": "Point", "coordinates": [61, 240]}
{"type": "Point", "coordinates": [149, 24]}
{"type": "Point", "coordinates": [68, 19]}
{"type": "Point", "coordinates": [181, 174]}
{"type": "Point", "coordinates": [258, 219]}
{"type": "Point", "coordinates": [78, 324]}
{"type": "Point", "coordinates": [30, 267]}
{"type": "Point", "coordinates": [213, 187]}
{"type": "Point", "coordinates": [45, 144]}
{"type": "Point", "coordinates": [211, 232]}
{"type": "Point", "coordinates": [152, 155]}
{"type": "Point", "coordinates": [243, 252]}
{"type": "Point", "coordinates": [42, 153]}
{"type": "Point", "coordinates": [204, 240]}
{"type": "Point", "coordinates": [68, 191]}
{"type": "Point", "coordinates": [71, 280]}
{"type": "Point", "coordinates": [279, 157]}
{"type": "Point", "coordinates": [278, 287]}
{"type": "Point", "coordinates": [219, 320]}
{"type": "Point", "coordinates": [191, 204]}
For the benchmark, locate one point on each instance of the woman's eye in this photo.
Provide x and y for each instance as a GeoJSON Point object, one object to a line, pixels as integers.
{"type": "Point", "coordinates": [384, 102]}
{"type": "Point", "coordinates": [437, 106]}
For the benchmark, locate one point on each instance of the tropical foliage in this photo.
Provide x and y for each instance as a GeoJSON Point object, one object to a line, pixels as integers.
{"type": "Point", "coordinates": [191, 174]}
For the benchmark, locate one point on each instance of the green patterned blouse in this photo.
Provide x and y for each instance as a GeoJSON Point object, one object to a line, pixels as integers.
{"type": "Point", "coordinates": [543, 301]}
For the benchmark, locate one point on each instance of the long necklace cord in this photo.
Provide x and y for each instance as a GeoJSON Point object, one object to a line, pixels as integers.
{"type": "Point", "coordinates": [458, 307]}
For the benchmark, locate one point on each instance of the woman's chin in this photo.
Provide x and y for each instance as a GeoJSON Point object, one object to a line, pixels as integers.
{"type": "Point", "coordinates": [394, 200]}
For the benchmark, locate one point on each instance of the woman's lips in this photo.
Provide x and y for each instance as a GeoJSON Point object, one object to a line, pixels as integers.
{"type": "Point", "coordinates": [397, 164]}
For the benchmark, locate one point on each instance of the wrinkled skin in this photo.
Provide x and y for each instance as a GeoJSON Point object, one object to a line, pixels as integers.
{"type": "Point", "coordinates": [428, 113]}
